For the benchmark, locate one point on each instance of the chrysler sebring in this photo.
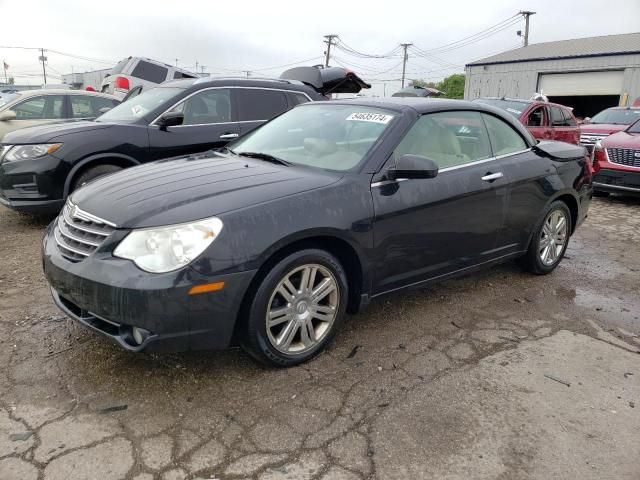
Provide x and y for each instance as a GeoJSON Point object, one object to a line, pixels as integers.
{"type": "Point", "coordinates": [270, 241]}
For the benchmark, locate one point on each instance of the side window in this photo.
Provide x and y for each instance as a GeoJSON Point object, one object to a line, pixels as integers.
{"type": "Point", "coordinates": [97, 103]}
{"type": "Point", "coordinates": [150, 72]}
{"type": "Point", "coordinates": [81, 107]}
{"type": "Point", "coordinates": [47, 107]}
{"type": "Point", "coordinates": [557, 118]}
{"type": "Point", "coordinates": [298, 98]}
{"type": "Point", "coordinates": [447, 138]}
{"type": "Point", "coordinates": [536, 118]}
{"type": "Point", "coordinates": [207, 106]}
{"type": "Point", "coordinates": [569, 120]}
{"type": "Point", "coordinates": [259, 104]}
{"type": "Point", "coordinates": [504, 139]}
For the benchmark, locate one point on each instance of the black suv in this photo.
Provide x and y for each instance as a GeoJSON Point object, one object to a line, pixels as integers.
{"type": "Point", "coordinates": [40, 166]}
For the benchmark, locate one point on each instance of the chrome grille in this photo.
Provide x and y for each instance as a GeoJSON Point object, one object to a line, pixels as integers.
{"type": "Point", "coordinates": [588, 140]}
{"type": "Point", "coordinates": [624, 156]}
{"type": "Point", "coordinates": [78, 233]}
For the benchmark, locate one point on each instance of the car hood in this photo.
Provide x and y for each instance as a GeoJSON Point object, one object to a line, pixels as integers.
{"type": "Point", "coordinates": [622, 140]}
{"type": "Point", "coordinates": [601, 128]}
{"type": "Point", "coordinates": [189, 188]}
{"type": "Point", "coordinates": [50, 132]}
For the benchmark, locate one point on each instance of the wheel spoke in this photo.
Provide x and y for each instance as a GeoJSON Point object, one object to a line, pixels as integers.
{"type": "Point", "coordinates": [307, 334]}
{"type": "Point", "coordinates": [324, 289]}
{"type": "Point", "coordinates": [304, 281]}
{"type": "Point", "coordinates": [312, 278]}
{"type": "Point", "coordinates": [287, 335]}
{"type": "Point", "coordinates": [279, 315]}
{"type": "Point", "coordinates": [544, 242]}
{"type": "Point", "coordinates": [546, 229]}
{"type": "Point", "coordinates": [560, 224]}
{"type": "Point", "coordinates": [288, 291]}
{"type": "Point", "coordinates": [323, 313]}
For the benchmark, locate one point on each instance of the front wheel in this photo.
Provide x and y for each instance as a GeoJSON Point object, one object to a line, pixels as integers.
{"type": "Point", "coordinates": [296, 309]}
{"type": "Point", "coordinates": [550, 240]}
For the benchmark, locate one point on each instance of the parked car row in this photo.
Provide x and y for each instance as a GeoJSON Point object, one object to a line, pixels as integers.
{"type": "Point", "coordinates": [298, 211]}
{"type": "Point", "coordinates": [40, 167]}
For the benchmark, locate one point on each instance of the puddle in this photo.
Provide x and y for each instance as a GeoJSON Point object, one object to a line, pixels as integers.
{"type": "Point", "coordinates": [615, 311]}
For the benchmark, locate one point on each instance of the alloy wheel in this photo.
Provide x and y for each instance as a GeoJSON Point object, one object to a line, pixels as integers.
{"type": "Point", "coordinates": [553, 237]}
{"type": "Point", "coordinates": [302, 309]}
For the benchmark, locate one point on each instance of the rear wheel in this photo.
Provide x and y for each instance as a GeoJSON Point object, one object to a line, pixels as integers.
{"type": "Point", "coordinates": [92, 173]}
{"type": "Point", "coordinates": [296, 309]}
{"type": "Point", "coordinates": [550, 240]}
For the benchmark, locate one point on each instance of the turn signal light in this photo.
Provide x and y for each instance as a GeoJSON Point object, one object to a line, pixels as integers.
{"type": "Point", "coordinates": [206, 288]}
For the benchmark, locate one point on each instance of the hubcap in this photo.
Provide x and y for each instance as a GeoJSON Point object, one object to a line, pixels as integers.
{"type": "Point", "coordinates": [553, 237]}
{"type": "Point", "coordinates": [302, 309]}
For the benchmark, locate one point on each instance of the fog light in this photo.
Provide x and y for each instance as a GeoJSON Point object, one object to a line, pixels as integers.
{"type": "Point", "coordinates": [139, 335]}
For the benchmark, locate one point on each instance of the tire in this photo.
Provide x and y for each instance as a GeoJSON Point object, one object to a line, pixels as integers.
{"type": "Point", "coordinates": [93, 173]}
{"type": "Point", "coordinates": [539, 261]}
{"type": "Point", "coordinates": [599, 193]}
{"type": "Point", "coordinates": [299, 315]}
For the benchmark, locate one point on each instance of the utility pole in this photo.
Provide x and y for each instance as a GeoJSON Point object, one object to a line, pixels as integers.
{"type": "Point", "coordinates": [329, 42]}
{"type": "Point", "coordinates": [44, 70]}
{"type": "Point", "coordinates": [248, 72]}
{"type": "Point", "coordinates": [4, 66]}
{"type": "Point", "coordinates": [196, 66]}
{"type": "Point", "coordinates": [176, 62]}
{"type": "Point", "coordinates": [526, 14]}
{"type": "Point", "coordinates": [405, 57]}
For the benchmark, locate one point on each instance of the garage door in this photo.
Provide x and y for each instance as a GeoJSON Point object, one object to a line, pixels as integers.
{"type": "Point", "coordinates": [586, 83]}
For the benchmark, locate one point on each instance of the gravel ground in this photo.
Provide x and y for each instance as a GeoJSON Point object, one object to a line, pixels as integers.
{"type": "Point", "coordinates": [445, 381]}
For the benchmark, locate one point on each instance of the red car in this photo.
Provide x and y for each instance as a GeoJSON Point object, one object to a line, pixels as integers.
{"type": "Point", "coordinates": [605, 123]}
{"type": "Point", "coordinates": [616, 163]}
{"type": "Point", "coordinates": [545, 120]}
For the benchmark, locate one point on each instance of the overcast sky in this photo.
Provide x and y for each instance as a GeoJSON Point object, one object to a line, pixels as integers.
{"type": "Point", "coordinates": [232, 36]}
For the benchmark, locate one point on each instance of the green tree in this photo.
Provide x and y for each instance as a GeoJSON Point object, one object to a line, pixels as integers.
{"type": "Point", "coordinates": [452, 86]}
{"type": "Point", "coordinates": [422, 83]}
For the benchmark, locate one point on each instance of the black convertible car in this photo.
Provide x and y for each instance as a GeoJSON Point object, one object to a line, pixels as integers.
{"type": "Point", "coordinates": [270, 241]}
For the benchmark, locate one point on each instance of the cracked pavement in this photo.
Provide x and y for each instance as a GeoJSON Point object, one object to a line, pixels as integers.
{"type": "Point", "coordinates": [464, 379]}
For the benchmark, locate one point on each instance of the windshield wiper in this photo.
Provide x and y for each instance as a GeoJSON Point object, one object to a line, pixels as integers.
{"type": "Point", "coordinates": [264, 156]}
{"type": "Point", "coordinates": [225, 149]}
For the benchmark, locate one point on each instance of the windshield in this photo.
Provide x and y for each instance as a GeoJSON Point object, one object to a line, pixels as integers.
{"type": "Point", "coordinates": [635, 128]}
{"type": "Point", "coordinates": [331, 137]}
{"type": "Point", "coordinates": [7, 97]}
{"type": "Point", "coordinates": [137, 107]}
{"type": "Point", "coordinates": [617, 116]}
{"type": "Point", "coordinates": [514, 107]}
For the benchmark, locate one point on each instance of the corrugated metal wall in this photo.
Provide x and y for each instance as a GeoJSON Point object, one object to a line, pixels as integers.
{"type": "Point", "coordinates": [520, 80]}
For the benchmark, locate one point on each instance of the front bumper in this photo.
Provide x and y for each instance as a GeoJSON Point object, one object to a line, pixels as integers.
{"type": "Point", "coordinates": [617, 181]}
{"type": "Point", "coordinates": [111, 295]}
{"type": "Point", "coordinates": [33, 186]}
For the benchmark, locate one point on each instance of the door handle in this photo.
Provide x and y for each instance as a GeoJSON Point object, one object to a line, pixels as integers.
{"type": "Point", "coordinates": [490, 177]}
{"type": "Point", "coordinates": [229, 136]}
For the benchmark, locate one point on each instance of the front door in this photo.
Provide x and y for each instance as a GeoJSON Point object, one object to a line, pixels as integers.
{"type": "Point", "coordinates": [209, 122]}
{"type": "Point", "coordinates": [427, 228]}
{"type": "Point", "coordinates": [538, 123]}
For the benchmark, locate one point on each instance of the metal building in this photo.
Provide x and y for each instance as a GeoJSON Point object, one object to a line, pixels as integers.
{"type": "Point", "coordinates": [588, 74]}
{"type": "Point", "coordinates": [82, 80]}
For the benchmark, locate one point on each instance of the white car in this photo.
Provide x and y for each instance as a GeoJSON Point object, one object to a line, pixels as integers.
{"type": "Point", "coordinates": [134, 72]}
{"type": "Point", "coordinates": [27, 108]}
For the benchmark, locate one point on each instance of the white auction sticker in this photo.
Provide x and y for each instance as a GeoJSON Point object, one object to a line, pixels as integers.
{"type": "Point", "coordinates": [371, 117]}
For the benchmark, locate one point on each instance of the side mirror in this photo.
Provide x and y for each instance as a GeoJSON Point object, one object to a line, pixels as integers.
{"type": "Point", "coordinates": [170, 119]}
{"type": "Point", "coordinates": [413, 166]}
{"type": "Point", "coordinates": [7, 115]}
{"type": "Point", "coordinates": [104, 110]}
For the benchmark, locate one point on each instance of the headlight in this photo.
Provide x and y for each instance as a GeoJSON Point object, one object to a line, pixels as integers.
{"type": "Point", "coordinates": [29, 152]}
{"type": "Point", "coordinates": [163, 249]}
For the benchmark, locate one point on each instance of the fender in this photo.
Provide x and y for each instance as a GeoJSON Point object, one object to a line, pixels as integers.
{"type": "Point", "coordinates": [332, 233]}
{"type": "Point", "coordinates": [553, 198]}
{"type": "Point", "coordinates": [95, 158]}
